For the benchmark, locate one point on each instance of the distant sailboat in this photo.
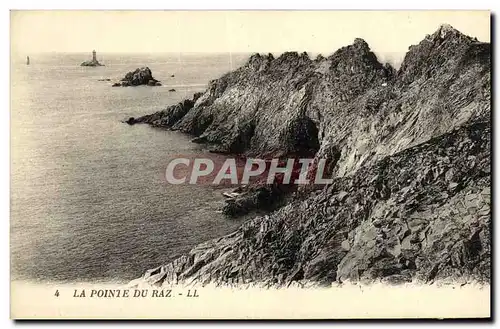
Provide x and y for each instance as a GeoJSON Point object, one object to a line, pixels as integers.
{"type": "Point", "coordinates": [27, 60]}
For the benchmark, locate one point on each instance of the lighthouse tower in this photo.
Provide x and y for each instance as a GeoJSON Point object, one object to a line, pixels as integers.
{"type": "Point", "coordinates": [93, 62]}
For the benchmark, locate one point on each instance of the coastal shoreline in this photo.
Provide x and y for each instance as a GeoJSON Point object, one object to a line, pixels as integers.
{"type": "Point", "coordinates": [371, 121]}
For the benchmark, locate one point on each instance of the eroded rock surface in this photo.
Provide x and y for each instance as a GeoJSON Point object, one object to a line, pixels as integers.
{"type": "Point", "coordinates": [141, 76]}
{"type": "Point", "coordinates": [422, 214]}
{"type": "Point", "coordinates": [409, 152]}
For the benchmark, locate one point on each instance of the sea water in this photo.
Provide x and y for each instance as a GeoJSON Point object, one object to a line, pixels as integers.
{"type": "Point", "coordinates": [89, 202]}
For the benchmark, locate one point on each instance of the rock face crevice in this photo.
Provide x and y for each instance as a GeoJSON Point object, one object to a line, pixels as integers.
{"type": "Point", "coordinates": [364, 108]}
{"type": "Point", "coordinates": [372, 225]}
{"type": "Point", "coordinates": [409, 151]}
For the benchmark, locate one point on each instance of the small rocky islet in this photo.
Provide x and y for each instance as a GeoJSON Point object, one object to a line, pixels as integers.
{"type": "Point", "coordinates": [94, 62]}
{"type": "Point", "coordinates": [138, 77]}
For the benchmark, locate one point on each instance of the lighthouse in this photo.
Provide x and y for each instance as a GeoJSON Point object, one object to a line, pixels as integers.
{"type": "Point", "coordinates": [93, 62]}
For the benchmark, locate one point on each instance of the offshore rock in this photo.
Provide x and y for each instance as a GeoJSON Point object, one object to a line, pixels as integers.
{"type": "Point", "coordinates": [141, 76]}
{"type": "Point", "coordinates": [131, 121]}
{"type": "Point", "coordinates": [91, 63]}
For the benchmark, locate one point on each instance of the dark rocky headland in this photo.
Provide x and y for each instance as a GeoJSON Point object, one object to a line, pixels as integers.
{"type": "Point", "coordinates": [409, 151]}
{"type": "Point", "coordinates": [141, 76]}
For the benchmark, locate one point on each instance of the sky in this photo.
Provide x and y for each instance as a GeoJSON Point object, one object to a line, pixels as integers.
{"type": "Point", "coordinates": [389, 32]}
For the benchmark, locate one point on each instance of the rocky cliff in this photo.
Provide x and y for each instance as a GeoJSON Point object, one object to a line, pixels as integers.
{"type": "Point", "coordinates": [409, 151]}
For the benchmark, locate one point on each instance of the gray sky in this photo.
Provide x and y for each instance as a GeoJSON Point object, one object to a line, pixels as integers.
{"type": "Point", "coordinates": [390, 32]}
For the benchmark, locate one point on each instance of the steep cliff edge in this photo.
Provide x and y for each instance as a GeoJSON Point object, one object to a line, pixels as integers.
{"type": "Point", "coordinates": [411, 159]}
{"type": "Point", "coordinates": [422, 214]}
{"type": "Point", "coordinates": [348, 106]}
{"type": "Point", "coordinates": [140, 76]}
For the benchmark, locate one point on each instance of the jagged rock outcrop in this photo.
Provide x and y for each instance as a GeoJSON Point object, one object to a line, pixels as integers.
{"type": "Point", "coordinates": [409, 150]}
{"type": "Point", "coordinates": [91, 63]}
{"type": "Point", "coordinates": [421, 214]}
{"type": "Point", "coordinates": [175, 113]}
{"type": "Point", "coordinates": [141, 76]}
{"type": "Point", "coordinates": [261, 197]}
{"type": "Point", "coordinates": [356, 107]}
